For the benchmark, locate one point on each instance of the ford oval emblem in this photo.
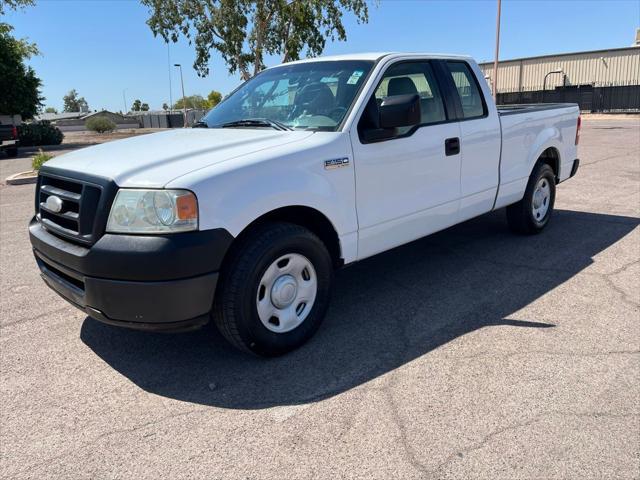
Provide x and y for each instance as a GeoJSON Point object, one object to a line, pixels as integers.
{"type": "Point", "coordinates": [53, 204]}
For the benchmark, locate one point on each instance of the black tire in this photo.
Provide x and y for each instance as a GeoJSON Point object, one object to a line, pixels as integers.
{"type": "Point", "coordinates": [12, 152]}
{"type": "Point", "coordinates": [235, 312]}
{"type": "Point", "coordinates": [520, 216]}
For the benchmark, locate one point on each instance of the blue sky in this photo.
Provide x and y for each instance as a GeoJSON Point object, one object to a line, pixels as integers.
{"type": "Point", "coordinates": [102, 47]}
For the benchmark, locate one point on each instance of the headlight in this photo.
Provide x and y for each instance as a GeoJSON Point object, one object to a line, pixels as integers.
{"type": "Point", "coordinates": [153, 211]}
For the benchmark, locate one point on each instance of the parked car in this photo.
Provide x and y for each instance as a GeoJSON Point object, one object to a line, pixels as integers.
{"type": "Point", "coordinates": [9, 139]}
{"type": "Point", "coordinates": [307, 167]}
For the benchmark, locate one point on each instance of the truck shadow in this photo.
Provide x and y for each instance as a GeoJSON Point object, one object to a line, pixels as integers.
{"type": "Point", "coordinates": [386, 311]}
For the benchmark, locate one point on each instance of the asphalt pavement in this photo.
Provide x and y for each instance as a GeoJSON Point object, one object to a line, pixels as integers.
{"type": "Point", "coordinates": [470, 354]}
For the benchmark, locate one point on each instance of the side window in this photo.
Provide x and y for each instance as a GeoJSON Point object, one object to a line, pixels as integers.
{"type": "Point", "coordinates": [411, 78]}
{"type": "Point", "coordinates": [468, 90]}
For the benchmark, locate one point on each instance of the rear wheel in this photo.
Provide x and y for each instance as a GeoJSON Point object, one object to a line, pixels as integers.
{"type": "Point", "coordinates": [274, 291]}
{"type": "Point", "coordinates": [531, 214]}
{"type": "Point", "coordinates": [12, 152]}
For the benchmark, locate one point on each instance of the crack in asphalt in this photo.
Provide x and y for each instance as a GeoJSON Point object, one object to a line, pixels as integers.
{"type": "Point", "coordinates": [536, 419]}
{"type": "Point", "coordinates": [605, 276]}
{"type": "Point", "coordinates": [34, 318]}
{"type": "Point", "coordinates": [107, 434]}
{"type": "Point", "coordinates": [626, 154]}
{"type": "Point", "coordinates": [541, 352]}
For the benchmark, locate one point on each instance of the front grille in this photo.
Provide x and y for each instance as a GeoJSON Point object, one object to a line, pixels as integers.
{"type": "Point", "coordinates": [80, 219]}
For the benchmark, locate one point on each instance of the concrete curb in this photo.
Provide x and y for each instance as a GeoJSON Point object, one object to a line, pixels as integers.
{"type": "Point", "coordinates": [22, 178]}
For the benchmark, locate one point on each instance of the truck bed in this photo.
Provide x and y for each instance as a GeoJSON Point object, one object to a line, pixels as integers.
{"type": "Point", "coordinates": [524, 137]}
{"type": "Point", "coordinates": [531, 107]}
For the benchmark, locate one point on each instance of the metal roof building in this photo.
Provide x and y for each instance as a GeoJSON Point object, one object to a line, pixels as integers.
{"type": "Point", "coordinates": [599, 68]}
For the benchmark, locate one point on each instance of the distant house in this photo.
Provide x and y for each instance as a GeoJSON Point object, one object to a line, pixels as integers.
{"type": "Point", "coordinates": [75, 121]}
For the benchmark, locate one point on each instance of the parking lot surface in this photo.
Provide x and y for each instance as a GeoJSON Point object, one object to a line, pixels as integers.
{"type": "Point", "coordinates": [470, 354]}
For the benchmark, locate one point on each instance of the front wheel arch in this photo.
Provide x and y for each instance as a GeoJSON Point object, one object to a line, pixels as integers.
{"type": "Point", "coordinates": [307, 217]}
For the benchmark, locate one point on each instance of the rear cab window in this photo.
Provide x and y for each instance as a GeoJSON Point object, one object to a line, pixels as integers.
{"type": "Point", "coordinates": [471, 99]}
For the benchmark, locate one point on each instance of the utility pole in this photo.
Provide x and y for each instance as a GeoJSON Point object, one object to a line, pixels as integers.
{"type": "Point", "coordinates": [170, 90]}
{"type": "Point", "coordinates": [184, 99]}
{"type": "Point", "coordinates": [495, 61]}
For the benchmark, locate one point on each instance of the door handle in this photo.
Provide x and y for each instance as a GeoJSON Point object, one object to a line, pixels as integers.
{"type": "Point", "coordinates": [452, 146]}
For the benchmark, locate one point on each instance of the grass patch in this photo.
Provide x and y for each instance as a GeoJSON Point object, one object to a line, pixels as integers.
{"type": "Point", "coordinates": [40, 159]}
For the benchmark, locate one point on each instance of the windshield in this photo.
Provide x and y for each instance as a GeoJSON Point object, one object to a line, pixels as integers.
{"type": "Point", "coordinates": [311, 95]}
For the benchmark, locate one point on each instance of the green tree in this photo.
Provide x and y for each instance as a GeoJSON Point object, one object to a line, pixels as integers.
{"type": "Point", "coordinates": [165, 107]}
{"type": "Point", "coordinates": [73, 103]}
{"type": "Point", "coordinates": [144, 107]}
{"type": "Point", "coordinates": [193, 101]}
{"type": "Point", "coordinates": [244, 31]}
{"type": "Point", "coordinates": [213, 99]}
{"type": "Point", "coordinates": [14, 4]}
{"type": "Point", "coordinates": [136, 105]}
{"type": "Point", "coordinates": [50, 110]}
{"type": "Point", "coordinates": [19, 84]}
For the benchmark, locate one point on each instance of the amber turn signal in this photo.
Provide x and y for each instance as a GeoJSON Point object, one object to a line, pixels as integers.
{"type": "Point", "coordinates": [187, 206]}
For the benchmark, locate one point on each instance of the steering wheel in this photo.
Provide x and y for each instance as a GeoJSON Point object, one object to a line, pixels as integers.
{"type": "Point", "coordinates": [307, 99]}
{"type": "Point", "coordinates": [337, 113]}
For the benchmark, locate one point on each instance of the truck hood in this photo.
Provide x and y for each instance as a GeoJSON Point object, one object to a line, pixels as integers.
{"type": "Point", "coordinates": [154, 160]}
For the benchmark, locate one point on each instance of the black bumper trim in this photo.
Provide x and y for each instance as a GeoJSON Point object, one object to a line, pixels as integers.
{"type": "Point", "coordinates": [137, 257]}
{"type": "Point", "coordinates": [161, 284]}
{"type": "Point", "coordinates": [181, 326]}
{"type": "Point", "coordinates": [168, 306]}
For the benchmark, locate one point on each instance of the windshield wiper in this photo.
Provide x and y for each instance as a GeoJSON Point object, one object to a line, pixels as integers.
{"type": "Point", "coordinates": [200, 124]}
{"type": "Point", "coordinates": [257, 122]}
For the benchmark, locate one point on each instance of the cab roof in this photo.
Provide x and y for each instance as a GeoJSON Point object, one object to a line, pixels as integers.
{"type": "Point", "coordinates": [374, 56]}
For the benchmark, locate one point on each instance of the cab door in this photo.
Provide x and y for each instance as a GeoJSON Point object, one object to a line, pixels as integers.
{"type": "Point", "coordinates": [481, 131]}
{"type": "Point", "coordinates": [408, 180]}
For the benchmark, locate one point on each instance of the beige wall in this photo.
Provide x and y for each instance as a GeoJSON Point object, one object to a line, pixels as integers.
{"type": "Point", "coordinates": [601, 68]}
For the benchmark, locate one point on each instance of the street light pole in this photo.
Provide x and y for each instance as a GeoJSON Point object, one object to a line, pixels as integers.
{"type": "Point", "coordinates": [544, 82]}
{"type": "Point", "coordinates": [124, 99]}
{"type": "Point", "coordinates": [184, 100]}
{"type": "Point", "coordinates": [495, 60]}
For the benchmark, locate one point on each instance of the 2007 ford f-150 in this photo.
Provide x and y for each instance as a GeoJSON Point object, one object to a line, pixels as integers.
{"type": "Point", "coordinates": [306, 167]}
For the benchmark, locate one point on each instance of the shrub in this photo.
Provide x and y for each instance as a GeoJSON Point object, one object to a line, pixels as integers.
{"type": "Point", "coordinates": [38, 160]}
{"type": "Point", "coordinates": [100, 124]}
{"type": "Point", "coordinates": [41, 133]}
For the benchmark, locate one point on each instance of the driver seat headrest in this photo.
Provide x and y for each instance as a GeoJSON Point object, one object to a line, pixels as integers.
{"type": "Point", "coordinates": [401, 86]}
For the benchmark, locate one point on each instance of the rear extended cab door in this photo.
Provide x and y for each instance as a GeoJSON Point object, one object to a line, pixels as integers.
{"type": "Point", "coordinates": [480, 136]}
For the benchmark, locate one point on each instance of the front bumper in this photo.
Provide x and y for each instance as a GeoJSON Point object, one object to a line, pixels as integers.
{"type": "Point", "coordinates": [160, 282]}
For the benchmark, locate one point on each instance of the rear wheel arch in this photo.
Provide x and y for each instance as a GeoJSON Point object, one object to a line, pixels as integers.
{"type": "Point", "coordinates": [551, 156]}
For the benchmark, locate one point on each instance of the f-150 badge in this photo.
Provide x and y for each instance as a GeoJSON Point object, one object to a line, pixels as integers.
{"type": "Point", "coordinates": [336, 163]}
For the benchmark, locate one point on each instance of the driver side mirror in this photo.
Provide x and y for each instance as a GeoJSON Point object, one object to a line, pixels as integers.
{"type": "Point", "coordinates": [400, 111]}
{"type": "Point", "coordinates": [379, 123]}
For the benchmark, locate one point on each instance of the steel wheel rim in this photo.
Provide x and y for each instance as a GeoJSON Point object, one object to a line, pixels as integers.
{"type": "Point", "coordinates": [541, 200]}
{"type": "Point", "coordinates": [286, 293]}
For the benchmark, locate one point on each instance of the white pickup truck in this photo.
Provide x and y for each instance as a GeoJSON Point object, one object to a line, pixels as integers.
{"type": "Point", "coordinates": [307, 167]}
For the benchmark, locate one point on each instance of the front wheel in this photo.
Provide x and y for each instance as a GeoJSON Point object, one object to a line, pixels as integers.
{"type": "Point", "coordinates": [12, 152]}
{"type": "Point", "coordinates": [274, 290]}
{"type": "Point", "coordinates": [531, 214]}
